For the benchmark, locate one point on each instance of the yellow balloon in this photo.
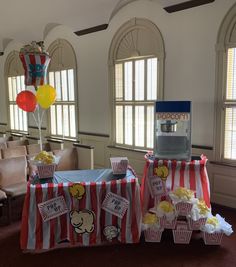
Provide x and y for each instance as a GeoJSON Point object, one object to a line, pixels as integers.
{"type": "Point", "coordinates": [46, 95]}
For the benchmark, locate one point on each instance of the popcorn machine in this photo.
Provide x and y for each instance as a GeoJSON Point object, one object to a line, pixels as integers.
{"type": "Point", "coordinates": [173, 130]}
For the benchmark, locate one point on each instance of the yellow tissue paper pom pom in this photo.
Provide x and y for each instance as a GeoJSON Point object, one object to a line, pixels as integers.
{"type": "Point", "coordinates": [150, 218]}
{"type": "Point", "coordinates": [213, 221]}
{"type": "Point", "coordinates": [162, 172]}
{"type": "Point", "coordinates": [166, 206]}
{"type": "Point", "coordinates": [183, 192]}
{"type": "Point", "coordinates": [202, 207]}
{"type": "Point", "coordinates": [44, 157]}
{"type": "Point", "coordinates": [77, 190]}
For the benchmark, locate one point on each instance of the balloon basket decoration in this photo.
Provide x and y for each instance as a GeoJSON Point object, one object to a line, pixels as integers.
{"type": "Point", "coordinates": [35, 61]}
{"type": "Point", "coordinates": [37, 104]}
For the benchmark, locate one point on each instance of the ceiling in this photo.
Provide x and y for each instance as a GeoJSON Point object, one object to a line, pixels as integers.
{"type": "Point", "coordinates": [26, 20]}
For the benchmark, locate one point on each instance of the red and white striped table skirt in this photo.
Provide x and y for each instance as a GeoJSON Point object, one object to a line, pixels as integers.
{"type": "Point", "coordinates": [39, 235]}
{"type": "Point", "coordinates": [188, 174]}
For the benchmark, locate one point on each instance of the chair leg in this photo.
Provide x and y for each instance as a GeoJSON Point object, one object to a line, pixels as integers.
{"type": "Point", "coordinates": [9, 210]}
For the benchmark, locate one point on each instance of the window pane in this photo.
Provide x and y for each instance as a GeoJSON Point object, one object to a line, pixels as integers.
{"type": "Point", "coordinates": [18, 85]}
{"type": "Point", "coordinates": [139, 125]}
{"type": "Point", "coordinates": [72, 121]}
{"type": "Point", "coordinates": [152, 79]}
{"type": "Point", "coordinates": [128, 125]}
{"type": "Point", "coordinates": [53, 119]}
{"type": "Point", "coordinates": [64, 85]}
{"type": "Point", "coordinates": [150, 126]}
{"type": "Point", "coordinates": [51, 79]}
{"type": "Point", "coordinates": [119, 81]}
{"type": "Point", "coordinates": [12, 116]}
{"type": "Point", "coordinates": [139, 80]}
{"type": "Point", "coordinates": [20, 119]}
{"type": "Point", "coordinates": [25, 126]}
{"type": "Point", "coordinates": [16, 117]}
{"type": "Point", "coordinates": [128, 80]}
{"type": "Point", "coordinates": [58, 84]}
{"type": "Point", "coordinates": [231, 75]}
{"type": "Point", "coordinates": [10, 90]}
{"type": "Point", "coordinates": [119, 125]}
{"type": "Point", "coordinates": [14, 88]}
{"type": "Point", "coordinates": [22, 82]}
{"type": "Point", "coordinates": [71, 85]}
{"type": "Point", "coordinates": [59, 120]}
{"type": "Point", "coordinates": [230, 134]}
{"type": "Point", "coordinates": [66, 126]}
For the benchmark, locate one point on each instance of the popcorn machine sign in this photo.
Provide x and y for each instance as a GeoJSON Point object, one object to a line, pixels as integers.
{"type": "Point", "coordinates": [173, 116]}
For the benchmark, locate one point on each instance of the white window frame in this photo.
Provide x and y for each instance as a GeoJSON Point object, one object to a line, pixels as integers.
{"type": "Point", "coordinates": [159, 53]}
{"type": "Point", "coordinates": [59, 49]}
{"type": "Point", "coordinates": [18, 117]}
{"type": "Point", "coordinates": [14, 73]}
{"type": "Point", "coordinates": [135, 103]}
{"type": "Point", "coordinates": [63, 103]}
{"type": "Point", "coordinates": [224, 42]}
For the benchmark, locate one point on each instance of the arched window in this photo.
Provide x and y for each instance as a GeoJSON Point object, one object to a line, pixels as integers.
{"type": "Point", "coordinates": [136, 64]}
{"type": "Point", "coordinates": [226, 90]}
{"type": "Point", "coordinates": [14, 73]}
{"type": "Point", "coordinates": [62, 76]}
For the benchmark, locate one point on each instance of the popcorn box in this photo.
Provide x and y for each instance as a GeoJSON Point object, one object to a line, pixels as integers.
{"type": "Point", "coordinates": [183, 208]}
{"type": "Point", "coordinates": [46, 170]}
{"type": "Point", "coordinates": [196, 225]}
{"type": "Point", "coordinates": [181, 234]}
{"type": "Point", "coordinates": [153, 234]}
{"type": "Point", "coordinates": [119, 165]}
{"type": "Point", "coordinates": [212, 239]}
{"type": "Point", "coordinates": [167, 224]}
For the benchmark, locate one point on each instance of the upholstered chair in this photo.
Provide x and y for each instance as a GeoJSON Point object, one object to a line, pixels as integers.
{"type": "Point", "coordinates": [68, 159]}
{"type": "Point", "coordinates": [14, 152]}
{"type": "Point", "coordinates": [13, 182]}
{"type": "Point", "coordinates": [15, 143]}
{"type": "Point", "coordinates": [34, 149]}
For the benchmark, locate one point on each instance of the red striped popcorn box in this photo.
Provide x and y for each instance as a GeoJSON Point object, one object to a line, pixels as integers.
{"type": "Point", "coordinates": [169, 224]}
{"type": "Point", "coordinates": [119, 165]}
{"type": "Point", "coordinates": [212, 239]}
{"type": "Point", "coordinates": [183, 208]}
{"type": "Point", "coordinates": [182, 234]}
{"type": "Point", "coordinates": [153, 234]}
{"type": "Point", "coordinates": [196, 225]}
{"type": "Point", "coordinates": [46, 170]}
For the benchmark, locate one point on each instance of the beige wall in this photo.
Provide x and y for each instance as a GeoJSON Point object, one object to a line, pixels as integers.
{"type": "Point", "coordinates": [189, 37]}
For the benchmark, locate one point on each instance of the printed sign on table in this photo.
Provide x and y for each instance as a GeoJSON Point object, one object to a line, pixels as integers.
{"type": "Point", "coordinates": [115, 204]}
{"type": "Point", "coordinates": [52, 208]}
{"type": "Point", "coordinates": [156, 186]}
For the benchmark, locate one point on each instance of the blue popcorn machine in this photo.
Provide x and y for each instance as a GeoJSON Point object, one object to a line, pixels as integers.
{"type": "Point", "coordinates": [173, 130]}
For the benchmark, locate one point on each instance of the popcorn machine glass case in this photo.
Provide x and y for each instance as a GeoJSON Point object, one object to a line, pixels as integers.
{"type": "Point", "coordinates": [173, 130]}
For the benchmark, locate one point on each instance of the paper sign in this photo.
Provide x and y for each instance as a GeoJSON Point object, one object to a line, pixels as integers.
{"type": "Point", "coordinates": [52, 208]}
{"type": "Point", "coordinates": [115, 204]}
{"type": "Point", "coordinates": [156, 186]}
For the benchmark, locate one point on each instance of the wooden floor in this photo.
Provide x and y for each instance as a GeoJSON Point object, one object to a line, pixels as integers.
{"type": "Point", "coordinates": [164, 254]}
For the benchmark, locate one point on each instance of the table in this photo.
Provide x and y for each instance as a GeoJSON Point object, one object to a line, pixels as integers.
{"type": "Point", "coordinates": [189, 174]}
{"type": "Point", "coordinates": [37, 234]}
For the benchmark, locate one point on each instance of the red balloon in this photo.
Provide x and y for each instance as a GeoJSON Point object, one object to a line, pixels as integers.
{"type": "Point", "coordinates": [26, 100]}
